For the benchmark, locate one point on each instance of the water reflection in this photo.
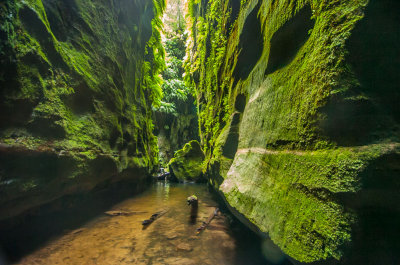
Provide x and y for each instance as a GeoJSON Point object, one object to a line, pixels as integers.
{"type": "Point", "coordinates": [169, 239]}
{"type": "Point", "coordinates": [194, 210]}
{"type": "Point", "coordinates": [162, 190]}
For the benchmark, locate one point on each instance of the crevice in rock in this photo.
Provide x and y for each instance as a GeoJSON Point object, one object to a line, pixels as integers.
{"type": "Point", "coordinates": [81, 101]}
{"type": "Point", "coordinates": [319, 193]}
{"type": "Point", "coordinates": [374, 54]}
{"type": "Point", "coordinates": [47, 126]}
{"type": "Point", "coordinates": [251, 44]}
{"type": "Point", "coordinates": [240, 103]}
{"type": "Point", "coordinates": [112, 141]}
{"type": "Point", "coordinates": [349, 122]}
{"type": "Point", "coordinates": [368, 111]}
{"type": "Point", "coordinates": [287, 41]}
{"type": "Point", "coordinates": [115, 72]}
{"type": "Point", "coordinates": [232, 142]}
{"type": "Point", "coordinates": [57, 16]}
{"type": "Point", "coordinates": [38, 30]}
{"type": "Point", "coordinates": [235, 9]}
{"type": "Point", "coordinates": [62, 15]}
{"type": "Point", "coordinates": [377, 207]}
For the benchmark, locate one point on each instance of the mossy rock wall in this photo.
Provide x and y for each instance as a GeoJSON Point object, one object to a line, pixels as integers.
{"type": "Point", "coordinates": [75, 111]}
{"type": "Point", "coordinates": [174, 131]}
{"type": "Point", "coordinates": [187, 164]}
{"type": "Point", "coordinates": [299, 121]}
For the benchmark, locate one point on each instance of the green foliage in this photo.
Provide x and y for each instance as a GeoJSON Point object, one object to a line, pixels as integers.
{"type": "Point", "coordinates": [206, 50]}
{"type": "Point", "coordinates": [175, 92]}
{"type": "Point", "coordinates": [168, 108]}
{"type": "Point", "coordinates": [175, 44]}
{"type": "Point", "coordinates": [174, 68]}
{"type": "Point", "coordinates": [155, 60]}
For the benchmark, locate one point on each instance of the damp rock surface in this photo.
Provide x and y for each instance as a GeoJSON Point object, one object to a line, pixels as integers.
{"type": "Point", "coordinates": [74, 109]}
{"type": "Point", "coordinates": [187, 163]}
{"type": "Point", "coordinates": [298, 123]}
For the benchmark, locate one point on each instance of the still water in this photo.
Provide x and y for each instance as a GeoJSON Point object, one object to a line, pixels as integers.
{"type": "Point", "coordinates": [170, 239]}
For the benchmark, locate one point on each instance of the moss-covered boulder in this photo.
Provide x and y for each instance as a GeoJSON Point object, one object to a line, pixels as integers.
{"type": "Point", "coordinates": [299, 120]}
{"type": "Point", "coordinates": [76, 96]}
{"type": "Point", "coordinates": [187, 163]}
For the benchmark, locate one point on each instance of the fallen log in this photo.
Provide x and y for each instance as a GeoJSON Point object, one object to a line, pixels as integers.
{"type": "Point", "coordinates": [205, 224]}
{"type": "Point", "coordinates": [154, 217]}
{"type": "Point", "coordinates": [122, 213]}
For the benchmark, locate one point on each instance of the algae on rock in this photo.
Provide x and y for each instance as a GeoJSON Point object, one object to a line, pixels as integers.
{"type": "Point", "coordinates": [78, 80]}
{"type": "Point", "coordinates": [187, 164]}
{"type": "Point", "coordinates": [294, 128]}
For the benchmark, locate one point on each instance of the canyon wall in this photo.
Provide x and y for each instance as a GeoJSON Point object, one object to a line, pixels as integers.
{"type": "Point", "coordinates": [299, 120]}
{"type": "Point", "coordinates": [176, 118]}
{"type": "Point", "coordinates": [78, 80]}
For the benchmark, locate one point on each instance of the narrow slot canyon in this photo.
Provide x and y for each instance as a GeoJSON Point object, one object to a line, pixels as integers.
{"type": "Point", "coordinates": [191, 132]}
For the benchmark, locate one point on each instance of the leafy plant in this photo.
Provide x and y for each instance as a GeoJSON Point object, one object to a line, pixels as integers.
{"type": "Point", "coordinates": [174, 90]}
{"type": "Point", "coordinates": [155, 56]}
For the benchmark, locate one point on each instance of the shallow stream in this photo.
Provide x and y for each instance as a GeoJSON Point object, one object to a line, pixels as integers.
{"type": "Point", "coordinates": [171, 239]}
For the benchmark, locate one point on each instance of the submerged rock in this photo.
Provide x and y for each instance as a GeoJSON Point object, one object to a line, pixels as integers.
{"type": "Point", "coordinates": [184, 247]}
{"type": "Point", "coordinates": [187, 163]}
{"type": "Point", "coordinates": [179, 261]}
{"type": "Point", "coordinates": [170, 235]}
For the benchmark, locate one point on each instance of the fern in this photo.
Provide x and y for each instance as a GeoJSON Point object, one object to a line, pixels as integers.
{"type": "Point", "coordinates": [155, 56]}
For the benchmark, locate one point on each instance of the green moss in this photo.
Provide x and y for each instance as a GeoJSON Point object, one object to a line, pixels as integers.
{"type": "Point", "coordinates": [80, 79]}
{"type": "Point", "coordinates": [296, 199]}
{"type": "Point", "coordinates": [304, 116]}
{"type": "Point", "coordinates": [58, 87]}
{"type": "Point", "coordinates": [187, 162]}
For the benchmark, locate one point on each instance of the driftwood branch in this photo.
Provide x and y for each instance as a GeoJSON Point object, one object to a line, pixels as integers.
{"type": "Point", "coordinates": [122, 213]}
{"type": "Point", "coordinates": [154, 217]}
{"type": "Point", "coordinates": [210, 218]}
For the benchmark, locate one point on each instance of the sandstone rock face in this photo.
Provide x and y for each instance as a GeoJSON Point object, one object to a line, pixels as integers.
{"type": "Point", "coordinates": [299, 120]}
{"type": "Point", "coordinates": [187, 162]}
{"type": "Point", "coordinates": [75, 108]}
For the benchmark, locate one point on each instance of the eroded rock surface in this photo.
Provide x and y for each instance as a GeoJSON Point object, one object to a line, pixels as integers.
{"type": "Point", "coordinates": [75, 110]}
{"type": "Point", "coordinates": [298, 120]}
